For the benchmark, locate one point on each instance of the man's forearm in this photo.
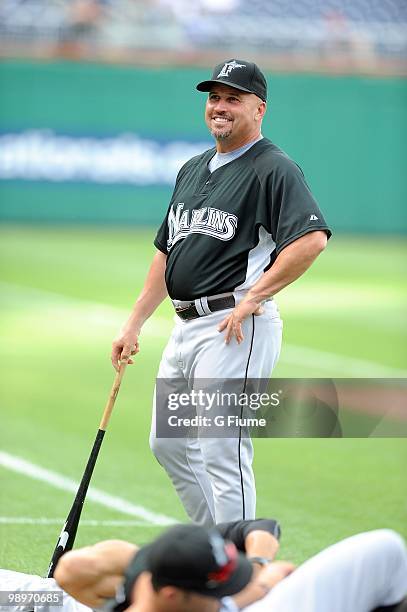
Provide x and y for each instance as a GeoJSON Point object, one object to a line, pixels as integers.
{"type": "Point", "coordinates": [126, 343]}
{"type": "Point", "coordinates": [290, 264]}
{"type": "Point", "coordinates": [93, 573]}
{"type": "Point", "coordinates": [152, 294]}
{"type": "Point", "coordinates": [263, 582]}
{"type": "Point", "coordinates": [113, 556]}
{"type": "Point", "coordinates": [251, 593]}
{"type": "Point", "coordinates": [260, 543]}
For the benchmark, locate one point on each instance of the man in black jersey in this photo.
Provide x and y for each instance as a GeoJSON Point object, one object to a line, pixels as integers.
{"type": "Point", "coordinates": [242, 224]}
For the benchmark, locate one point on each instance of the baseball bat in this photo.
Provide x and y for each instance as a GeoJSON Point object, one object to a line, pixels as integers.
{"type": "Point", "coordinates": [67, 536]}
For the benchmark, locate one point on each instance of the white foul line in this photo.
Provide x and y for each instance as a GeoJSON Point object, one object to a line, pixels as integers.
{"type": "Point", "coordinates": [27, 520]}
{"type": "Point", "coordinates": [21, 466]}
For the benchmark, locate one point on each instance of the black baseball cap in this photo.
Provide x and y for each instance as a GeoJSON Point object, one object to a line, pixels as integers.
{"type": "Point", "coordinates": [191, 558]}
{"type": "Point", "coordinates": [240, 74]}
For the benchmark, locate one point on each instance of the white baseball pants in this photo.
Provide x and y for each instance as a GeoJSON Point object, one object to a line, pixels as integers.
{"type": "Point", "coordinates": [214, 476]}
{"type": "Point", "coordinates": [358, 574]}
{"type": "Point", "coordinates": [18, 582]}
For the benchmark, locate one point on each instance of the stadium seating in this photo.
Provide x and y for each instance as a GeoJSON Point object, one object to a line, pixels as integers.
{"type": "Point", "coordinates": [274, 25]}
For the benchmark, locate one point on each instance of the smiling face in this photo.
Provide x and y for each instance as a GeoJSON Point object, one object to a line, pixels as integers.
{"type": "Point", "coordinates": [233, 117]}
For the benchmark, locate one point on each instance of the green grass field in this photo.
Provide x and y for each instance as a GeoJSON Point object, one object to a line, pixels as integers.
{"type": "Point", "coordinates": [65, 292]}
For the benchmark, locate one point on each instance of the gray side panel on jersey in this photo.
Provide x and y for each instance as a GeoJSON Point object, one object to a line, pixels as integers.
{"type": "Point", "coordinates": [259, 258]}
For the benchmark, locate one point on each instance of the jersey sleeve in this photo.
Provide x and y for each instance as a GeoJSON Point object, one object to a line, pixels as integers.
{"type": "Point", "coordinates": [294, 211]}
{"type": "Point", "coordinates": [238, 531]}
{"type": "Point", "coordinates": [160, 241]}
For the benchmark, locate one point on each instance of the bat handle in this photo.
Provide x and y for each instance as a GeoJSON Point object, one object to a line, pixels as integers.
{"type": "Point", "coordinates": [113, 394]}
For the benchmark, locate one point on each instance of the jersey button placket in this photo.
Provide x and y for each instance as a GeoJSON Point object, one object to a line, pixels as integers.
{"type": "Point", "coordinates": [205, 188]}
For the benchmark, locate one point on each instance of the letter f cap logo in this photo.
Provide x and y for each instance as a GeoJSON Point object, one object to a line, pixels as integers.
{"type": "Point", "coordinates": [228, 67]}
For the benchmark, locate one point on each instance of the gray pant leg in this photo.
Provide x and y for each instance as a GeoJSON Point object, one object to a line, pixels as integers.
{"type": "Point", "coordinates": [214, 478]}
{"type": "Point", "coordinates": [231, 476]}
{"type": "Point", "coordinates": [228, 461]}
{"type": "Point", "coordinates": [181, 457]}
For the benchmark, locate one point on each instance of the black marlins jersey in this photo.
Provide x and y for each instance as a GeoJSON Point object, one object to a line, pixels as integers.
{"type": "Point", "coordinates": [223, 230]}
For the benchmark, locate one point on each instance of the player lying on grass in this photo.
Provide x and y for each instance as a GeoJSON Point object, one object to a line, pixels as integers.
{"type": "Point", "coordinates": [85, 574]}
{"type": "Point", "coordinates": [92, 575]}
{"type": "Point", "coordinates": [190, 569]}
{"type": "Point", "coordinates": [183, 571]}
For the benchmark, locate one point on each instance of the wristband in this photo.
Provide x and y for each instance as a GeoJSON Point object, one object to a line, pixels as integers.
{"type": "Point", "coordinates": [259, 560]}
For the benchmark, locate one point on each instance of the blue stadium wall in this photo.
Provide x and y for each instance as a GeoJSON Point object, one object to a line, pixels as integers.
{"type": "Point", "coordinates": [94, 143]}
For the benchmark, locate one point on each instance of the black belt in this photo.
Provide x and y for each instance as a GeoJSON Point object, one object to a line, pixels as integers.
{"type": "Point", "coordinates": [214, 304]}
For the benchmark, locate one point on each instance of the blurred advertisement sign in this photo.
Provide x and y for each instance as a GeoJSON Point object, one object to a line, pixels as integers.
{"type": "Point", "coordinates": [43, 155]}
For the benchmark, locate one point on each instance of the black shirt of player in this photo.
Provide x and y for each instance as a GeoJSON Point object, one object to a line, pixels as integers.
{"type": "Point", "coordinates": [223, 230]}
